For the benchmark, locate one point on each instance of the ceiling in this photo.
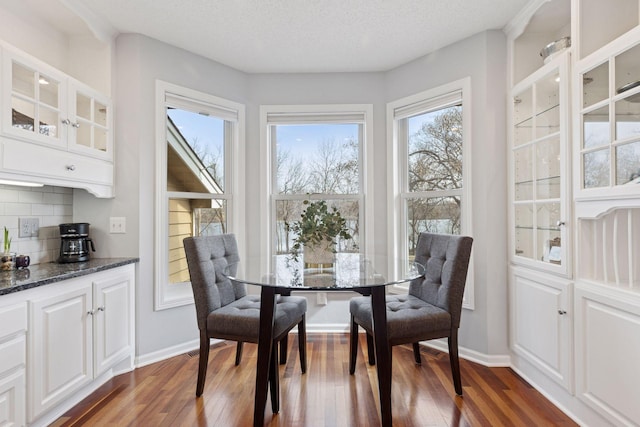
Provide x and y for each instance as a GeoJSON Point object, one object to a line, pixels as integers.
{"type": "Point", "coordinates": [275, 36]}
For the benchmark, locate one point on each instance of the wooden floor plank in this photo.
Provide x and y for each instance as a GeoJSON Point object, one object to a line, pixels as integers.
{"type": "Point", "coordinates": [163, 394]}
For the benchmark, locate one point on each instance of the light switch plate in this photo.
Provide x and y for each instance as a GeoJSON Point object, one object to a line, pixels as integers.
{"type": "Point", "coordinates": [117, 224]}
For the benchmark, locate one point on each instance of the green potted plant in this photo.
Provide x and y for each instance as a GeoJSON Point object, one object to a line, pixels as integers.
{"type": "Point", "coordinates": [7, 260]}
{"type": "Point", "coordinates": [317, 232]}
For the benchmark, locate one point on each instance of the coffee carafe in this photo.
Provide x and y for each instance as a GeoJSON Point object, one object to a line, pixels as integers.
{"type": "Point", "coordinates": [75, 242]}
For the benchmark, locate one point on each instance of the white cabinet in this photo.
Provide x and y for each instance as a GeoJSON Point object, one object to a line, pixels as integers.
{"type": "Point", "coordinates": [541, 319]}
{"type": "Point", "coordinates": [60, 350]}
{"type": "Point", "coordinates": [608, 350]}
{"type": "Point", "coordinates": [607, 140]}
{"type": "Point", "coordinates": [56, 130]}
{"type": "Point", "coordinates": [79, 329]}
{"type": "Point", "coordinates": [44, 105]}
{"type": "Point", "coordinates": [539, 168]}
{"type": "Point", "coordinates": [13, 326]}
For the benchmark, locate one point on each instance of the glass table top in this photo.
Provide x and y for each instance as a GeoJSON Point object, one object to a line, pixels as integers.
{"type": "Point", "coordinates": [348, 271]}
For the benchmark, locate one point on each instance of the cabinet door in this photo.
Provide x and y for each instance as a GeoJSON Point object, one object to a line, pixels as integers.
{"type": "Point", "coordinates": [90, 116]}
{"type": "Point", "coordinates": [608, 133]}
{"type": "Point", "coordinates": [539, 164]}
{"type": "Point", "coordinates": [12, 399]}
{"type": "Point", "coordinates": [112, 321]}
{"type": "Point", "coordinates": [34, 100]}
{"type": "Point", "coordinates": [541, 323]}
{"type": "Point", "coordinates": [60, 347]}
{"type": "Point", "coordinates": [607, 351]}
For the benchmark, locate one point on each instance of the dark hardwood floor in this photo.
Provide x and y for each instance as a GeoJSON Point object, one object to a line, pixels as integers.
{"type": "Point", "coordinates": [163, 394]}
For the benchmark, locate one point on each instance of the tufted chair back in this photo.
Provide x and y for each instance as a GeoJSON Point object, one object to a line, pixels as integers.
{"type": "Point", "coordinates": [208, 257]}
{"type": "Point", "coordinates": [446, 258]}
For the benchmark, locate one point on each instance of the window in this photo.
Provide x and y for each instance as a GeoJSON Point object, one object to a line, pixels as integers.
{"type": "Point", "coordinates": [198, 140]}
{"type": "Point", "coordinates": [429, 189]}
{"type": "Point", "coordinates": [315, 153]}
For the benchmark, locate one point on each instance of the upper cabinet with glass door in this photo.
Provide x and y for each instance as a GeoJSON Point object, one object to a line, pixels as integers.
{"type": "Point", "coordinates": [44, 105]}
{"type": "Point", "coordinates": [539, 167]}
{"type": "Point", "coordinates": [540, 62]}
{"type": "Point", "coordinates": [608, 101]}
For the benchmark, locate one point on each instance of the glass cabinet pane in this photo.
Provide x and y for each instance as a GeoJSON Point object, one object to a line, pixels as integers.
{"type": "Point", "coordinates": [595, 85]}
{"type": "Point", "coordinates": [524, 230]}
{"type": "Point", "coordinates": [628, 118]}
{"type": "Point", "coordinates": [22, 114]}
{"type": "Point", "coordinates": [596, 168]}
{"type": "Point", "coordinates": [628, 164]}
{"type": "Point", "coordinates": [48, 122]}
{"type": "Point", "coordinates": [523, 173]}
{"type": "Point", "coordinates": [100, 139]}
{"type": "Point", "coordinates": [83, 135]}
{"type": "Point", "coordinates": [48, 91]}
{"type": "Point", "coordinates": [548, 169]}
{"type": "Point", "coordinates": [627, 70]}
{"type": "Point", "coordinates": [23, 81]}
{"type": "Point", "coordinates": [547, 105]}
{"type": "Point", "coordinates": [548, 237]}
{"type": "Point", "coordinates": [100, 113]}
{"type": "Point", "coordinates": [596, 128]}
{"type": "Point", "coordinates": [83, 106]}
{"type": "Point", "coordinates": [523, 117]}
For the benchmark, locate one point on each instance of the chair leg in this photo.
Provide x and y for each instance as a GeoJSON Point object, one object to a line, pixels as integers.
{"type": "Point", "coordinates": [353, 347]}
{"type": "Point", "coordinates": [455, 363]}
{"type": "Point", "coordinates": [371, 351]}
{"type": "Point", "coordinates": [283, 349]}
{"type": "Point", "coordinates": [239, 352]}
{"type": "Point", "coordinates": [416, 353]}
{"type": "Point", "coordinates": [302, 343]}
{"type": "Point", "coordinates": [274, 375]}
{"type": "Point", "coordinates": [202, 362]}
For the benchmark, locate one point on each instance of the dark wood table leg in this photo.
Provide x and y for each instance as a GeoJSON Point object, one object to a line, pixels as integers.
{"type": "Point", "coordinates": [383, 352]}
{"type": "Point", "coordinates": [265, 342]}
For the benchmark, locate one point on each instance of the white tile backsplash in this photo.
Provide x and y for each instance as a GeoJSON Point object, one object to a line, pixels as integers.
{"type": "Point", "coordinates": [51, 205]}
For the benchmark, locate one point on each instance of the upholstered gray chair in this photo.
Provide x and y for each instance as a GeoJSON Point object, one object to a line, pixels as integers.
{"type": "Point", "coordinates": [225, 311]}
{"type": "Point", "coordinates": [432, 307]}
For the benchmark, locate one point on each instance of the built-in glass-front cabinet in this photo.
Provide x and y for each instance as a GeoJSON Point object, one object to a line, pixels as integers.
{"type": "Point", "coordinates": [609, 142]}
{"type": "Point", "coordinates": [46, 106]}
{"type": "Point", "coordinates": [539, 166]}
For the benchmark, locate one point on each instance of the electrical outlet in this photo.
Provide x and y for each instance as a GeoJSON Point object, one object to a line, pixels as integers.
{"type": "Point", "coordinates": [117, 224]}
{"type": "Point", "coordinates": [28, 227]}
{"type": "Point", "coordinates": [321, 298]}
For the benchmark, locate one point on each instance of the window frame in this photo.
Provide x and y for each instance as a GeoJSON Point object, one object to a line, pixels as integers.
{"type": "Point", "coordinates": [314, 114]}
{"type": "Point", "coordinates": [397, 171]}
{"type": "Point", "coordinates": [169, 295]}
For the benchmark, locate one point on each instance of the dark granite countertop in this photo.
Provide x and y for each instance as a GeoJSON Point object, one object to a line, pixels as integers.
{"type": "Point", "coordinates": [52, 272]}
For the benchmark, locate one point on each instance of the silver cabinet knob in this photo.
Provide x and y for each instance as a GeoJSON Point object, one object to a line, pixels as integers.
{"type": "Point", "coordinates": [75, 125]}
{"type": "Point", "coordinates": [562, 312]}
{"type": "Point", "coordinates": [561, 223]}
{"type": "Point", "coordinates": [66, 121]}
{"type": "Point", "coordinates": [71, 167]}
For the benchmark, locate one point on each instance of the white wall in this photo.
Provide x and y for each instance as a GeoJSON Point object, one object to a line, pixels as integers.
{"type": "Point", "coordinates": [483, 58]}
{"type": "Point", "coordinates": [140, 61]}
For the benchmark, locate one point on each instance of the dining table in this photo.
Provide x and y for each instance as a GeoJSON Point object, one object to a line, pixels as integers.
{"type": "Point", "coordinates": [350, 272]}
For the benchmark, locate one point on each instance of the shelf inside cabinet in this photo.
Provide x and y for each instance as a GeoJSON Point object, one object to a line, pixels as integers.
{"type": "Point", "coordinates": [548, 23]}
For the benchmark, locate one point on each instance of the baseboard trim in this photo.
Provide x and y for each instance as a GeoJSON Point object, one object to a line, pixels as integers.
{"type": "Point", "coordinates": [166, 353]}
{"type": "Point", "coordinates": [488, 360]}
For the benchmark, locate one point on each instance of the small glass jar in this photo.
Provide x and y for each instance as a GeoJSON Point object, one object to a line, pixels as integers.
{"type": "Point", "coordinates": [8, 261]}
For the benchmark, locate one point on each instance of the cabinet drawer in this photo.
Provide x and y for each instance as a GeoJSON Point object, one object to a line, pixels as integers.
{"type": "Point", "coordinates": [33, 159]}
{"type": "Point", "coordinates": [13, 319]}
{"type": "Point", "coordinates": [13, 354]}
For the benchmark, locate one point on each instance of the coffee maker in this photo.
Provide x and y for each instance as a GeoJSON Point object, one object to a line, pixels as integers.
{"type": "Point", "coordinates": [74, 242]}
